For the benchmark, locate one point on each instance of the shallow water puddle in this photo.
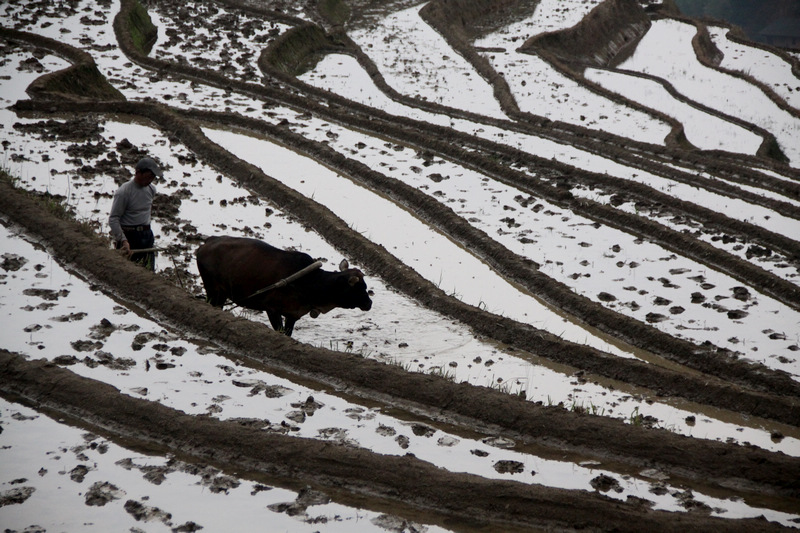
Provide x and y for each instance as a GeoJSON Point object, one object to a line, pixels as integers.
{"type": "Point", "coordinates": [678, 64]}
{"type": "Point", "coordinates": [417, 61]}
{"type": "Point", "coordinates": [205, 382]}
{"type": "Point", "coordinates": [541, 89]}
{"type": "Point", "coordinates": [633, 276]}
{"type": "Point", "coordinates": [435, 257]}
{"type": "Point", "coordinates": [767, 67]}
{"type": "Point", "coordinates": [704, 130]}
{"type": "Point", "coordinates": [769, 260]}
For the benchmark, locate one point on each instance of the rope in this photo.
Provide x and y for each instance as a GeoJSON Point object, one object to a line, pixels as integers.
{"type": "Point", "coordinates": [288, 280]}
{"type": "Point", "coordinates": [285, 281]}
{"type": "Point", "coordinates": [145, 250]}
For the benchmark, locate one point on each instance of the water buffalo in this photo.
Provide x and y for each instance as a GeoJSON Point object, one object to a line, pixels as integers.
{"type": "Point", "coordinates": [238, 269]}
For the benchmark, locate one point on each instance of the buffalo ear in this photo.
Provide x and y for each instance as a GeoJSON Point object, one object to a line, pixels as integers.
{"type": "Point", "coordinates": [353, 280]}
{"type": "Point", "coordinates": [344, 265]}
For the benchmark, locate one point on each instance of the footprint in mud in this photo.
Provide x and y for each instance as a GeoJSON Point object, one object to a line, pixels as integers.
{"type": "Point", "coordinates": [741, 293]}
{"type": "Point", "coordinates": [687, 501]}
{"type": "Point", "coordinates": [737, 314]}
{"type": "Point", "coordinates": [44, 306]}
{"type": "Point", "coordinates": [395, 523]}
{"type": "Point", "coordinates": [698, 298]}
{"type": "Point", "coordinates": [385, 431]}
{"type": "Point", "coordinates": [447, 441]}
{"type": "Point", "coordinates": [298, 417]}
{"type": "Point", "coordinates": [103, 492]}
{"type": "Point", "coordinates": [109, 361]}
{"type": "Point", "coordinates": [336, 434]}
{"type": "Point", "coordinates": [15, 496]}
{"type": "Point", "coordinates": [605, 483]}
{"type": "Point", "coordinates": [66, 360]}
{"type": "Point", "coordinates": [499, 442]}
{"type": "Point", "coordinates": [308, 407]}
{"type": "Point", "coordinates": [104, 328]}
{"type": "Point", "coordinates": [72, 317]}
{"type": "Point", "coordinates": [141, 339]}
{"type": "Point", "coordinates": [12, 262]}
{"type": "Point", "coordinates": [509, 467]}
{"type": "Point", "coordinates": [653, 318]}
{"type": "Point", "coordinates": [421, 430]}
{"type": "Point", "coordinates": [86, 346]}
{"type": "Point", "coordinates": [359, 413]}
{"type": "Point", "coordinates": [145, 513]}
{"type": "Point", "coordinates": [306, 498]}
{"type": "Point", "coordinates": [257, 387]}
{"type": "Point", "coordinates": [46, 294]}
{"type": "Point", "coordinates": [78, 473]}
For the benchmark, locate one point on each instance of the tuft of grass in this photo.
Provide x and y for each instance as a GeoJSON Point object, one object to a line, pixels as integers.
{"type": "Point", "coordinates": [500, 385]}
{"type": "Point", "coordinates": [57, 206]}
{"type": "Point", "coordinates": [774, 151]}
{"type": "Point", "coordinates": [142, 30]}
{"type": "Point", "coordinates": [636, 418]}
{"type": "Point", "coordinates": [407, 365]}
{"type": "Point", "coordinates": [299, 49]}
{"type": "Point", "coordinates": [442, 373]}
{"type": "Point", "coordinates": [83, 80]}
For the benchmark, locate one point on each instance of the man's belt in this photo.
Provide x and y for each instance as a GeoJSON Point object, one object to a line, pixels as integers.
{"type": "Point", "coordinates": [143, 227]}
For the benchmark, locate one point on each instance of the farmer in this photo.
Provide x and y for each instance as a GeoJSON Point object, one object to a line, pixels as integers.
{"type": "Point", "coordinates": [130, 213]}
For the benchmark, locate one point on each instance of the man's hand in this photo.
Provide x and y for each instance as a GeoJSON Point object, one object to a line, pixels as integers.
{"type": "Point", "coordinates": [126, 247]}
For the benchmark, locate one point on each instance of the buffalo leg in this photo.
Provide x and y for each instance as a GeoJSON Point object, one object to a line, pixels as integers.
{"type": "Point", "coordinates": [276, 320]}
{"type": "Point", "coordinates": [215, 299]}
{"type": "Point", "coordinates": [288, 328]}
{"type": "Point", "coordinates": [215, 295]}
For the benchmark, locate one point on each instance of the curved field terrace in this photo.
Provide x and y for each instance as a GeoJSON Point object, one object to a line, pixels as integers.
{"type": "Point", "coordinates": [585, 271]}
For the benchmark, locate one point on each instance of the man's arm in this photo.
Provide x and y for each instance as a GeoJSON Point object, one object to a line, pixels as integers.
{"type": "Point", "coordinates": [118, 206]}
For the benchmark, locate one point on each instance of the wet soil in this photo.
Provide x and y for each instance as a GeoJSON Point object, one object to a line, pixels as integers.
{"type": "Point", "coordinates": [717, 379]}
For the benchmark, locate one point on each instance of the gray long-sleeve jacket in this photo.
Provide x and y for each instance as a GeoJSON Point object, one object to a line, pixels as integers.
{"type": "Point", "coordinates": [131, 207]}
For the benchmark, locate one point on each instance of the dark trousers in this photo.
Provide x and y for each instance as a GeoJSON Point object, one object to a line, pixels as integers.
{"type": "Point", "coordinates": [140, 237]}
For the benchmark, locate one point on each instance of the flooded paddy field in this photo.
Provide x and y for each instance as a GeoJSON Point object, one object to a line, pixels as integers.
{"type": "Point", "coordinates": [539, 329]}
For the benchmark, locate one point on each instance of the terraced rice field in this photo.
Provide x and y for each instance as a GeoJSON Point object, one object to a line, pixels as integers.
{"type": "Point", "coordinates": [585, 276]}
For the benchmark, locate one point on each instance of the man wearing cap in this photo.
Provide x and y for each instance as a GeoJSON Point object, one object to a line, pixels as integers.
{"type": "Point", "coordinates": [130, 213]}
